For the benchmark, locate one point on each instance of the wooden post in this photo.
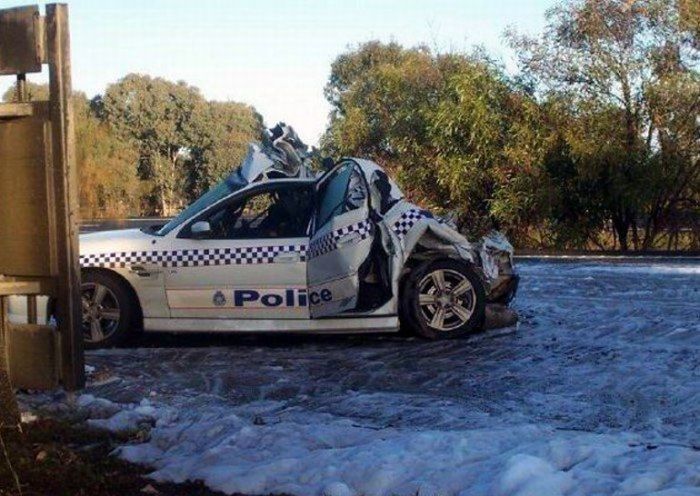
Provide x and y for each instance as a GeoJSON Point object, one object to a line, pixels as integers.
{"type": "Point", "coordinates": [21, 89]}
{"type": "Point", "coordinates": [66, 199]}
{"type": "Point", "coordinates": [42, 250]}
{"type": "Point", "coordinates": [9, 414]}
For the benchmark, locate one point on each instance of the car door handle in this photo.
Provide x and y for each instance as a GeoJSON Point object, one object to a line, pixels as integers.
{"type": "Point", "coordinates": [287, 258]}
{"type": "Point", "coordinates": [348, 239]}
{"type": "Point", "coordinates": [143, 272]}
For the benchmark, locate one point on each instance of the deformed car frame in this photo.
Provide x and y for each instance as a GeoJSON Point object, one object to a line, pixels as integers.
{"type": "Point", "coordinates": [275, 247]}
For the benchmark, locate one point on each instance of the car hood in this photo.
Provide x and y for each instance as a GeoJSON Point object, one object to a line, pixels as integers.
{"type": "Point", "coordinates": [122, 240]}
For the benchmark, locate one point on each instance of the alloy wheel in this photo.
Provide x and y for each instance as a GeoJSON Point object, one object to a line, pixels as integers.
{"type": "Point", "coordinates": [446, 299]}
{"type": "Point", "coordinates": [101, 312]}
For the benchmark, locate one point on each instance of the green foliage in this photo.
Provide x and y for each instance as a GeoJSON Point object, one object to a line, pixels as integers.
{"type": "Point", "coordinates": [609, 62]}
{"type": "Point", "coordinates": [160, 118]}
{"type": "Point", "coordinates": [109, 184]}
{"type": "Point", "coordinates": [599, 130]}
{"type": "Point", "coordinates": [451, 126]}
{"type": "Point", "coordinates": [35, 93]}
{"type": "Point", "coordinates": [226, 129]}
{"type": "Point", "coordinates": [149, 146]}
{"type": "Point", "coordinates": [185, 143]}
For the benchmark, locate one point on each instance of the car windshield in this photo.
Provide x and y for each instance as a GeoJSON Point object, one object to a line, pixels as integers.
{"type": "Point", "coordinates": [231, 184]}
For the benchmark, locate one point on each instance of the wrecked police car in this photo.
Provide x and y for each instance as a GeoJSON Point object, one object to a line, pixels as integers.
{"type": "Point", "coordinates": [275, 247]}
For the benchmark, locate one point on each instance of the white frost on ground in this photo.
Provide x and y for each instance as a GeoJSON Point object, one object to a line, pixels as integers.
{"type": "Point", "coordinates": [335, 457]}
{"type": "Point", "coordinates": [596, 392]}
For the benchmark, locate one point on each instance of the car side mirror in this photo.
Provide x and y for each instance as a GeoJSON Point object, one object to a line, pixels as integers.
{"type": "Point", "coordinates": [200, 229]}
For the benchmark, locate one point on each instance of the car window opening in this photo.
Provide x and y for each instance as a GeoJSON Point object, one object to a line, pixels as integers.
{"type": "Point", "coordinates": [231, 184]}
{"type": "Point", "coordinates": [278, 213]}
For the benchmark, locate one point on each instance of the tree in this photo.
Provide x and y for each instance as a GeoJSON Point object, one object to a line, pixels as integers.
{"type": "Point", "coordinates": [225, 130]}
{"type": "Point", "coordinates": [488, 148]}
{"type": "Point", "coordinates": [158, 117]}
{"type": "Point", "coordinates": [458, 132]}
{"type": "Point", "coordinates": [35, 92]}
{"type": "Point", "coordinates": [607, 58]}
{"type": "Point", "coordinates": [185, 143]}
{"type": "Point", "coordinates": [108, 181]}
{"type": "Point", "coordinates": [673, 181]}
{"type": "Point", "coordinates": [378, 95]}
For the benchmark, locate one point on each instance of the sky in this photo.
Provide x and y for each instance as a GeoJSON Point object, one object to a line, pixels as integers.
{"type": "Point", "coordinates": [275, 55]}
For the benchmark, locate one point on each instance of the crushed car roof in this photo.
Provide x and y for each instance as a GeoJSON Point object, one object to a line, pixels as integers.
{"type": "Point", "coordinates": [283, 155]}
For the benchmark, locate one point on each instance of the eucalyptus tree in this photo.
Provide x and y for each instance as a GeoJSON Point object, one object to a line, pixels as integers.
{"type": "Point", "coordinates": [458, 132]}
{"type": "Point", "coordinates": [160, 118]}
{"type": "Point", "coordinates": [185, 143]}
{"type": "Point", "coordinates": [615, 61]}
{"type": "Point", "coordinates": [225, 128]}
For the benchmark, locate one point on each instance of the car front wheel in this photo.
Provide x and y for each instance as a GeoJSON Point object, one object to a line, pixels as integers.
{"type": "Point", "coordinates": [107, 310]}
{"type": "Point", "coordinates": [446, 299]}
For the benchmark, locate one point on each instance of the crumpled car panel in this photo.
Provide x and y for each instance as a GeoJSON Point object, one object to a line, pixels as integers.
{"type": "Point", "coordinates": [413, 227]}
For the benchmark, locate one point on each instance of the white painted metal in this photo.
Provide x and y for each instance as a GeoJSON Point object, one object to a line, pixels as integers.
{"type": "Point", "coordinates": [333, 275]}
{"type": "Point", "coordinates": [312, 326]}
{"type": "Point", "coordinates": [202, 298]}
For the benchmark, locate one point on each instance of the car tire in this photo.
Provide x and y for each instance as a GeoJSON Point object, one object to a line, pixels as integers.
{"type": "Point", "coordinates": [444, 299]}
{"type": "Point", "coordinates": [108, 302]}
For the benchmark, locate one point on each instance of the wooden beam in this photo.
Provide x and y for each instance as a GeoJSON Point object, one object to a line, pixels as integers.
{"type": "Point", "coordinates": [16, 110]}
{"type": "Point", "coordinates": [24, 109]}
{"type": "Point", "coordinates": [16, 286]}
{"type": "Point", "coordinates": [65, 180]}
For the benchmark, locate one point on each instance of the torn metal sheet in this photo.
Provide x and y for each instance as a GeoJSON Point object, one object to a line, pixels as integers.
{"type": "Point", "coordinates": [282, 154]}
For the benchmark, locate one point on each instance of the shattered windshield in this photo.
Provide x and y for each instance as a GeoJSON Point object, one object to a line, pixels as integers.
{"type": "Point", "coordinates": [231, 184]}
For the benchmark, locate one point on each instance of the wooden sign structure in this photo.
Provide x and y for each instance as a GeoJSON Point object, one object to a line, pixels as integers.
{"type": "Point", "coordinates": [39, 205]}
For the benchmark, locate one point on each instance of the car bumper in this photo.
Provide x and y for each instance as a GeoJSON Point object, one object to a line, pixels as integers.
{"type": "Point", "coordinates": [505, 290]}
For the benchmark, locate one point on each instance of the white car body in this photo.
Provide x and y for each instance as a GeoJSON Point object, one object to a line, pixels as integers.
{"type": "Point", "coordinates": [308, 282]}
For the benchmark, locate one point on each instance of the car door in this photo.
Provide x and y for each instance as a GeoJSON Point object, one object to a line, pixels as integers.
{"type": "Point", "coordinates": [341, 240]}
{"type": "Point", "coordinates": [250, 263]}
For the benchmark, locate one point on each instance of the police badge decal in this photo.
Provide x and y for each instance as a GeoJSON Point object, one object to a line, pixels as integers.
{"type": "Point", "coordinates": [219, 299]}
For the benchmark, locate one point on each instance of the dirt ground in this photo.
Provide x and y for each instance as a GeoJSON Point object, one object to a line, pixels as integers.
{"type": "Point", "coordinates": [56, 458]}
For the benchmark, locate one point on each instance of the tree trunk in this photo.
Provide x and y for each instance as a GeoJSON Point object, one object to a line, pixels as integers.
{"type": "Point", "coordinates": [173, 181]}
{"type": "Point", "coordinates": [622, 238]}
{"type": "Point", "coordinates": [621, 227]}
{"type": "Point", "coordinates": [163, 202]}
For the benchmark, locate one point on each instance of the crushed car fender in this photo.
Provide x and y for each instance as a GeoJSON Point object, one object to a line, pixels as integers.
{"type": "Point", "coordinates": [413, 226]}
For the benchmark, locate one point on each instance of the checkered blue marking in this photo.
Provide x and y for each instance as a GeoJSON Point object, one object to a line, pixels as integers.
{"type": "Point", "coordinates": [193, 258]}
{"type": "Point", "coordinates": [329, 242]}
{"type": "Point", "coordinates": [409, 218]}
